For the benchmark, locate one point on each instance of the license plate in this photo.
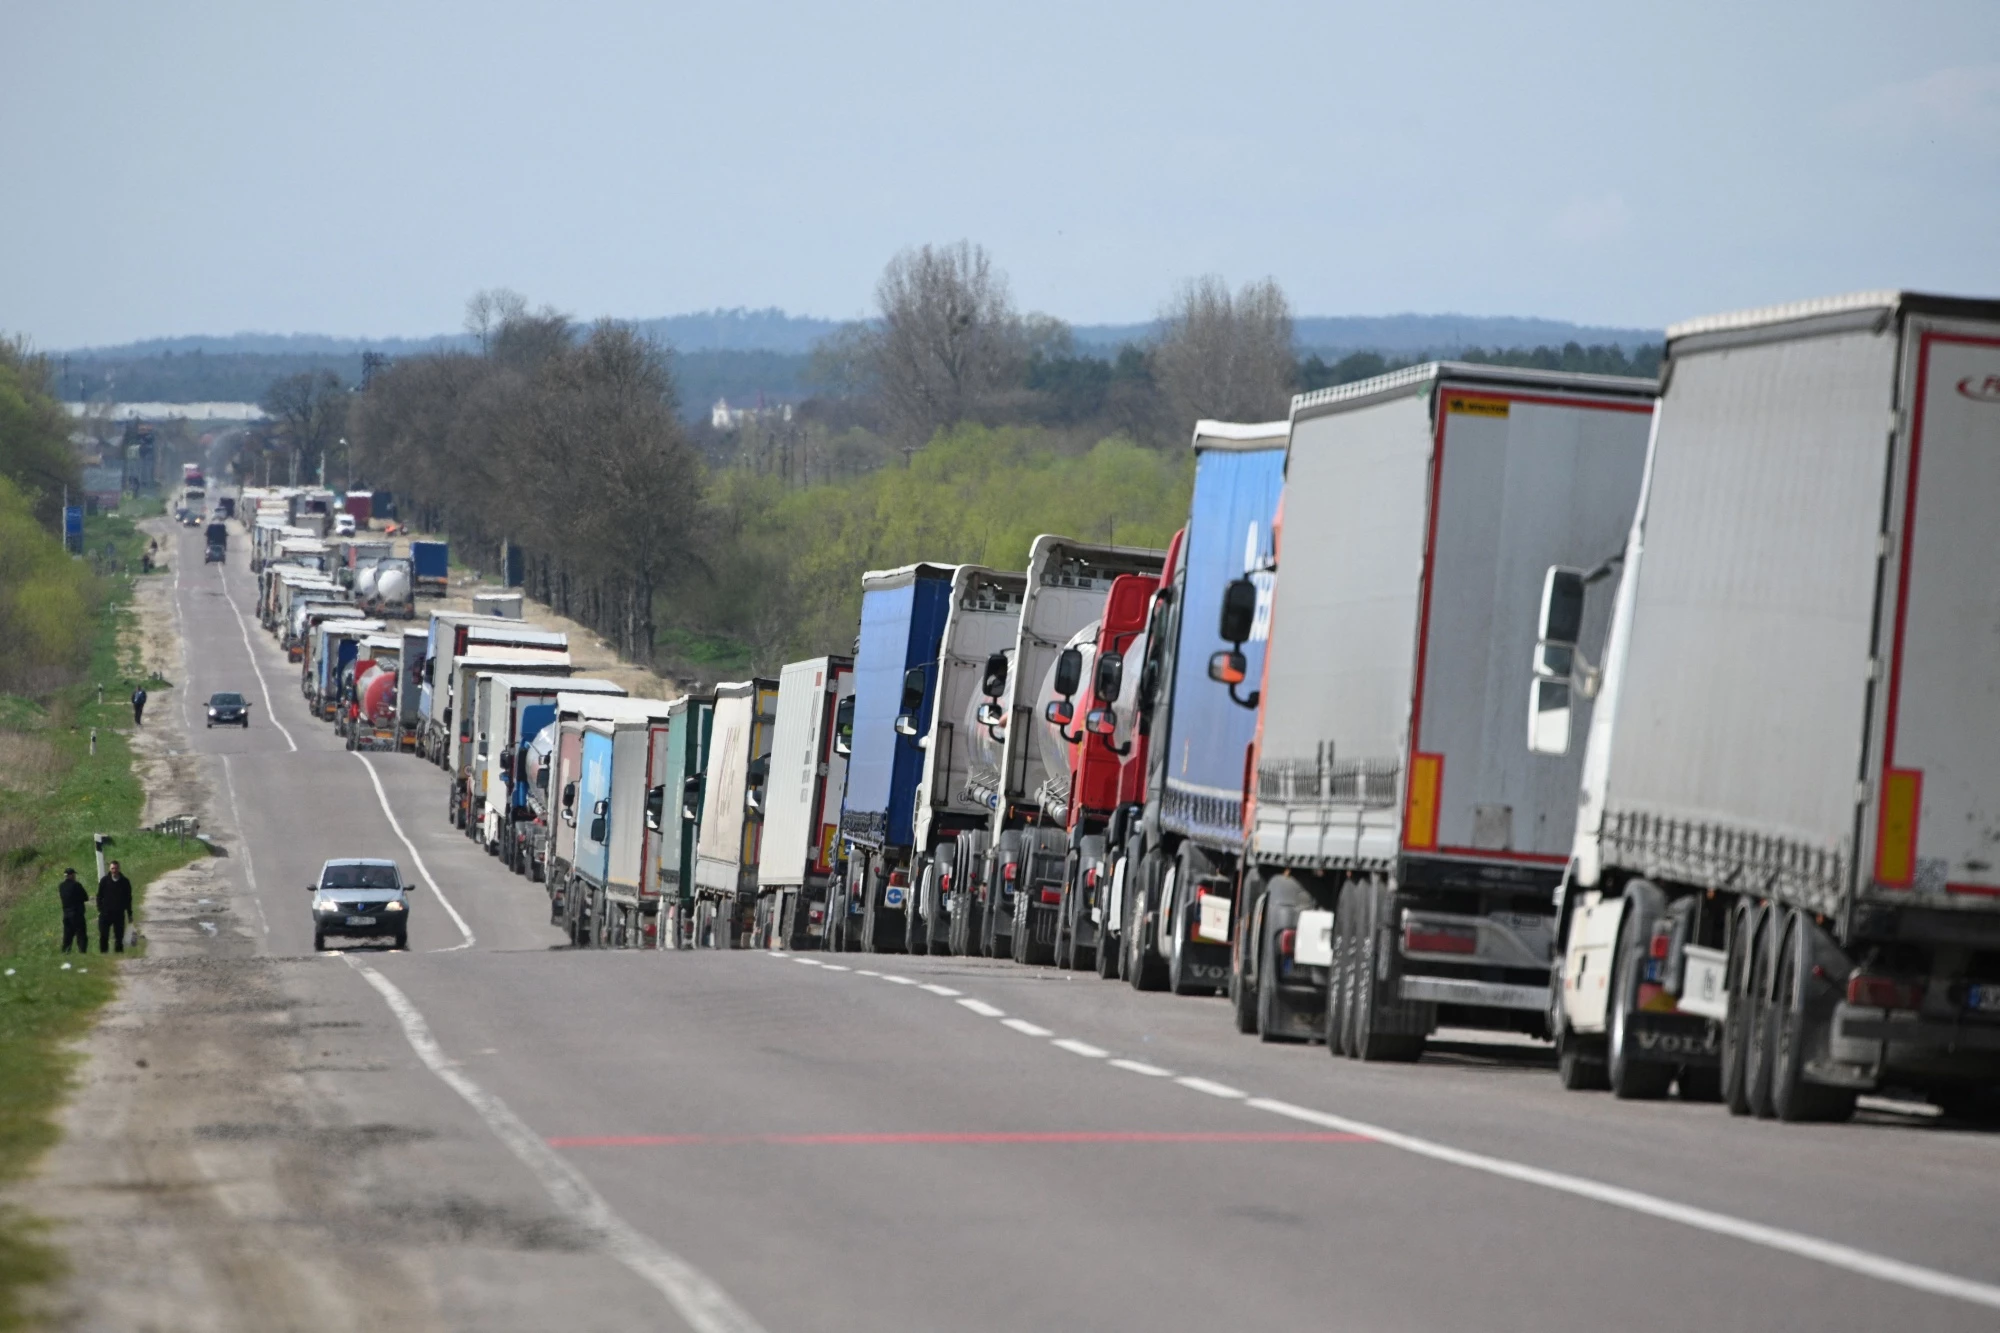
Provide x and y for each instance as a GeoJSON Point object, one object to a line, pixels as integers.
{"type": "Point", "coordinates": [361, 921]}
{"type": "Point", "coordinates": [1983, 999]}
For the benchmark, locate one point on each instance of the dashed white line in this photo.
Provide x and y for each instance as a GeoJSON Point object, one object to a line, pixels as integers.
{"type": "Point", "coordinates": [896, 980]}
{"type": "Point", "coordinates": [835, 967]}
{"type": "Point", "coordinates": [1211, 1087]}
{"type": "Point", "coordinates": [864, 972]}
{"type": "Point", "coordinates": [416, 856]}
{"type": "Point", "coordinates": [1083, 1048]}
{"type": "Point", "coordinates": [935, 989]}
{"type": "Point", "coordinates": [809, 962]}
{"type": "Point", "coordinates": [249, 867]}
{"type": "Point", "coordinates": [243, 627]}
{"type": "Point", "coordinates": [1025, 1028]}
{"type": "Point", "coordinates": [983, 1009]}
{"type": "Point", "coordinates": [1141, 1067]}
{"type": "Point", "coordinates": [705, 1306]}
{"type": "Point", "coordinates": [1831, 1253]}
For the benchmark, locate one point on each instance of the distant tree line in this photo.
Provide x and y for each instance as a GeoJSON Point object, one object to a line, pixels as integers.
{"type": "Point", "coordinates": [46, 595]}
{"type": "Point", "coordinates": [559, 440]}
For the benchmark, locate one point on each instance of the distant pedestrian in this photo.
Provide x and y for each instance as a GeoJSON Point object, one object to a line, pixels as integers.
{"type": "Point", "coordinates": [114, 909]}
{"type": "Point", "coordinates": [139, 706]}
{"type": "Point", "coordinates": [73, 896]}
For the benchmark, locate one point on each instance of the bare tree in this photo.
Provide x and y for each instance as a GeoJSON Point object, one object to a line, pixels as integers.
{"type": "Point", "coordinates": [948, 338]}
{"type": "Point", "coordinates": [311, 409]}
{"type": "Point", "coordinates": [1225, 357]}
{"type": "Point", "coordinates": [487, 311]}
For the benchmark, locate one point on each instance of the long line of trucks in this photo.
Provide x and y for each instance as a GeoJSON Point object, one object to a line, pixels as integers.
{"type": "Point", "coordinates": [1651, 718]}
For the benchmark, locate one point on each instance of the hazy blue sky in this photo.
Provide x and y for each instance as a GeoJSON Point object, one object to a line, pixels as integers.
{"type": "Point", "coordinates": [361, 168]}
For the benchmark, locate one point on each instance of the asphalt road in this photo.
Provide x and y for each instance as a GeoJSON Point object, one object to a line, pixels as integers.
{"type": "Point", "coordinates": [745, 1140]}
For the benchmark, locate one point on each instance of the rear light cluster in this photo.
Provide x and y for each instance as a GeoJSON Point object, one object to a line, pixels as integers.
{"type": "Point", "coordinates": [899, 878]}
{"type": "Point", "coordinates": [1880, 992]}
{"type": "Point", "coordinates": [1050, 897]}
{"type": "Point", "coordinates": [1438, 937]}
{"type": "Point", "coordinates": [1657, 948]}
{"type": "Point", "coordinates": [1287, 941]}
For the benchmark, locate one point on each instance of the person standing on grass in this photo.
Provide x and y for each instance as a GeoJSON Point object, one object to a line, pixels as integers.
{"type": "Point", "coordinates": [139, 706]}
{"type": "Point", "coordinates": [73, 897]}
{"type": "Point", "coordinates": [114, 909]}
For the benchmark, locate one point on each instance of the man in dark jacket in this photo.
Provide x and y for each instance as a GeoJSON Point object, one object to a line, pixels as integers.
{"type": "Point", "coordinates": [139, 706]}
{"type": "Point", "coordinates": [73, 897]}
{"type": "Point", "coordinates": [114, 909]}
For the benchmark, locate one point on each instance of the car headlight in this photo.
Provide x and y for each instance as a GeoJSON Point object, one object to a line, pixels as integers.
{"type": "Point", "coordinates": [393, 907]}
{"type": "Point", "coordinates": [211, 712]}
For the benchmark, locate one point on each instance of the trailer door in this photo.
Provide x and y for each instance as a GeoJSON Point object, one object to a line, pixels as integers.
{"type": "Point", "coordinates": [1937, 825]}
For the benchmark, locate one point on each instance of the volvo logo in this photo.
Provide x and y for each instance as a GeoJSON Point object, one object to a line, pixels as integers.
{"type": "Point", "coordinates": [1979, 390]}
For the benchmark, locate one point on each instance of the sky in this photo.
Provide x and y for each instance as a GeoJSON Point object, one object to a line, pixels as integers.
{"type": "Point", "coordinates": [361, 169]}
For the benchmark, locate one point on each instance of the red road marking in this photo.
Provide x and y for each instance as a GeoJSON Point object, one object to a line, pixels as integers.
{"type": "Point", "coordinates": [935, 1137]}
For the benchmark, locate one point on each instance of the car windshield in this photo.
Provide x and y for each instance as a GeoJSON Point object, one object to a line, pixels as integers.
{"type": "Point", "coordinates": [360, 877]}
{"type": "Point", "coordinates": [226, 700]}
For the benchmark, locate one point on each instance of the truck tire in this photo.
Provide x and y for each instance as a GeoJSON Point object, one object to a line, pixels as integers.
{"type": "Point", "coordinates": [1245, 1003]}
{"type": "Point", "coordinates": [1758, 1016]}
{"type": "Point", "coordinates": [1087, 911]}
{"type": "Point", "coordinates": [1144, 968]}
{"type": "Point", "coordinates": [944, 877]}
{"type": "Point", "coordinates": [1273, 1021]}
{"type": "Point", "coordinates": [1189, 868]}
{"type": "Point", "coordinates": [1735, 1023]}
{"type": "Point", "coordinates": [1386, 1030]}
{"type": "Point", "coordinates": [1072, 895]}
{"type": "Point", "coordinates": [1793, 1096]}
{"type": "Point", "coordinates": [1110, 954]}
{"type": "Point", "coordinates": [1579, 1064]}
{"type": "Point", "coordinates": [1340, 978]}
{"type": "Point", "coordinates": [916, 908]}
{"type": "Point", "coordinates": [1633, 1079]}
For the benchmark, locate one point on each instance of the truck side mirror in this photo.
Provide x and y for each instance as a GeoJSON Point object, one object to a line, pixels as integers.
{"type": "Point", "coordinates": [1239, 610]}
{"type": "Point", "coordinates": [1239, 617]}
{"type": "Point", "coordinates": [1548, 716]}
{"type": "Point", "coordinates": [600, 820]}
{"type": "Point", "coordinates": [690, 796]}
{"type": "Point", "coordinates": [656, 800]}
{"type": "Point", "coordinates": [1060, 712]}
{"type": "Point", "coordinates": [913, 691]}
{"type": "Point", "coordinates": [1561, 623]}
{"type": "Point", "coordinates": [843, 729]}
{"type": "Point", "coordinates": [1069, 672]}
{"type": "Point", "coordinates": [1110, 676]}
{"type": "Point", "coordinates": [993, 681]}
{"type": "Point", "coordinates": [569, 796]}
{"type": "Point", "coordinates": [906, 724]}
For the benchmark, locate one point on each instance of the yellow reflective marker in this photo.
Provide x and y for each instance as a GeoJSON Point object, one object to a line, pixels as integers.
{"type": "Point", "coordinates": [1420, 819]}
{"type": "Point", "coordinates": [1896, 842]}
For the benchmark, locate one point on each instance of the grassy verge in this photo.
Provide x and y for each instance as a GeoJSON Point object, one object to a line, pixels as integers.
{"type": "Point", "coordinates": [54, 795]}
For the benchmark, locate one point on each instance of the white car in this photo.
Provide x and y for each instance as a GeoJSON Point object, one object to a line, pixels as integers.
{"type": "Point", "coordinates": [343, 525]}
{"type": "Point", "coordinates": [360, 898]}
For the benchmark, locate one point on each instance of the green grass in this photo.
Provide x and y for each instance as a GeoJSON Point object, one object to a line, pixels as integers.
{"type": "Point", "coordinates": [57, 795]}
{"type": "Point", "coordinates": [717, 655]}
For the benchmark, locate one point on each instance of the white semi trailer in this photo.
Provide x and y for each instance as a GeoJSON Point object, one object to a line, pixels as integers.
{"type": "Point", "coordinates": [800, 850]}
{"type": "Point", "coordinates": [1786, 881]}
{"type": "Point", "coordinates": [1410, 845]}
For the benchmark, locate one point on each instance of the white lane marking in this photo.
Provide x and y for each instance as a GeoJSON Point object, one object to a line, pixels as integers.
{"type": "Point", "coordinates": [694, 1296]}
{"type": "Point", "coordinates": [243, 627]}
{"type": "Point", "coordinates": [896, 980]}
{"type": "Point", "coordinates": [1831, 1253]}
{"type": "Point", "coordinates": [983, 1009]}
{"type": "Point", "coordinates": [864, 972]}
{"type": "Point", "coordinates": [809, 962]}
{"type": "Point", "coordinates": [1140, 1067]}
{"type": "Point", "coordinates": [936, 989]}
{"type": "Point", "coordinates": [1025, 1028]}
{"type": "Point", "coordinates": [1211, 1087]}
{"type": "Point", "coordinates": [1083, 1048]}
{"type": "Point", "coordinates": [243, 840]}
{"type": "Point", "coordinates": [779, 953]}
{"type": "Point", "coordinates": [416, 856]}
{"type": "Point", "coordinates": [835, 967]}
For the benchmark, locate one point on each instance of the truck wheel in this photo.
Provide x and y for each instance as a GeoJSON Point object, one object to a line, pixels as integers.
{"type": "Point", "coordinates": [1793, 1097]}
{"type": "Point", "coordinates": [1736, 1022]}
{"type": "Point", "coordinates": [1273, 1020]}
{"type": "Point", "coordinates": [1758, 1017]}
{"type": "Point", "coordinates": [1633, 1079]}
{"type": "Point", "coordinates": [1144, 967]}
{"type": "Point", "coordinates": [1245, 1003]}
{"type": "Point", "coordinates": [1339, 990]}
{"type": "Point", "coordinates": [1579, 1065]}
{"type": "Point", "coordinates": [917, 908]}
{"type": "Point", "coordinates": [1385, 1029]}
{"type": "Point", "coordinates": [1189, 867]}
{"type": "Point", "coordinates": [451, 805]}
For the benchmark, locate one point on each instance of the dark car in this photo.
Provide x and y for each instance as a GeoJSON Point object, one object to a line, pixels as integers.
{"type": "Point", "coordinates": [360, 898]}
{"type": "Point", "coordinates": [216, 554]}
{"type": "Point", "coordinates": [230, 710]}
